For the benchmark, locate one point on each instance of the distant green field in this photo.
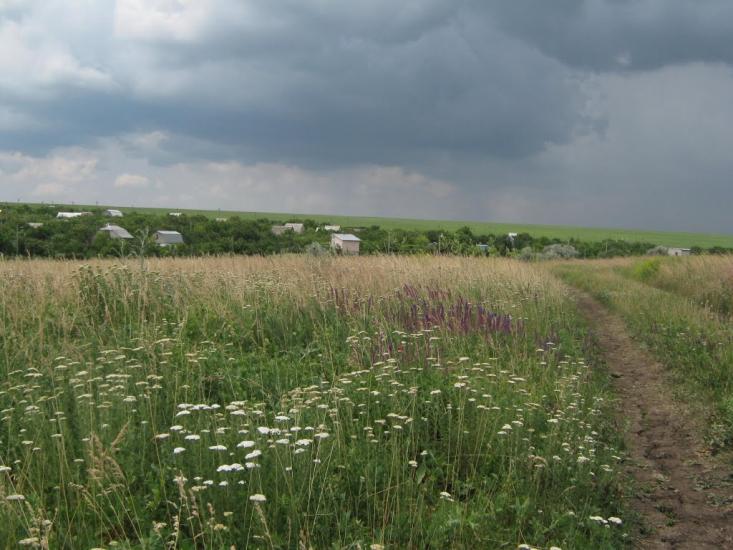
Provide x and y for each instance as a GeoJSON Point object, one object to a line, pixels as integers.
{"type": "Point", "coordinates": [677, 239]}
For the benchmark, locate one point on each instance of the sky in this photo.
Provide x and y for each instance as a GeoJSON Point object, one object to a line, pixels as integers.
{"type": "Point", "coordinates": [615, 113]}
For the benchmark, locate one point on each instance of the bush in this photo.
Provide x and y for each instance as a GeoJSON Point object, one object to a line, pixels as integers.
{"type": "Point", "coordinates": [658, 251]}
{"type": "Point", "coordinates": [558, 251]}
{"type": "Point", "coordinates": [315, 249]}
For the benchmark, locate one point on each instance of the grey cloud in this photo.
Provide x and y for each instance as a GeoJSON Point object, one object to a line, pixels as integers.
{"type": "Point", "coordinates": [608, 35]}
{"type": "Point", "coordinates": [597, 112]}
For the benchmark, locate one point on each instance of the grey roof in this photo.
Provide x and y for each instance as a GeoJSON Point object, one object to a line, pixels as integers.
{"type": "Point", "coordinates": [346, 237]}
{"type": "Point", "coordinates": [116, 232]}
{"type": "Point", "coordinates": [168, 237]}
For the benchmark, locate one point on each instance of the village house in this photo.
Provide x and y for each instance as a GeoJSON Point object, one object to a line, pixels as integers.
{"type": "Point", "coordinates": [168, 238]}
{"type": "Point", "coordinates": [678, 251]}
{"type": "Point", "coordinates": [113, 213]}
{"type": "Point", "coordinates": [116, 232]}
{"type": "Point", "coordinates": [279, 229]}
{"type": "Point", "coordinates": [295, 227]}
{"type": "Point", "coordinates": [346, 243]}
{"type": "Point", "coordinates": [175, 214]}
{"type": "Point", "coordinates": [35, 225]}
{"type": "Point", "coordinates": [332, 227]}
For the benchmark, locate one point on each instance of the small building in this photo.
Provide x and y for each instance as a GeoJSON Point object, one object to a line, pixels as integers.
{"type": "Point", "coordinates": [221, 219]}
{"type": "Point", "coordinates": [168, 238]}
{"type": "Point", "coordinates": [295, 227]}
{"type": "Point", "coordinates": [483, 248]}
{"type": "Point", "coordinates": [279, 229]}
{"type": "Point", "coordinates": [113, 213]}
{"type": "Point", "coordinates": [175, 214]}
{"type": "Point", "coordinates": [346, 243]}
{"type": "Point", "coordinates": [35, 225]}
{"type": "Point", "coordinates": [678, 251]}
{"type": "Point", "coordinates": [70, 215]}
{"type": "Point", "coordinates": [332, 227]}
{"type": "Point", "coordinates": [116, 232]}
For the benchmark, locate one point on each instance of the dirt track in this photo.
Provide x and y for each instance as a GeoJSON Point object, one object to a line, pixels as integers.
{"type": "Point", "coordinates": [684, 495]}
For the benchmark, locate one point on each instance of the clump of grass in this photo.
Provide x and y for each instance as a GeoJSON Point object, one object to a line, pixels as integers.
{"type": "Point", "coordinates": [214, 402]}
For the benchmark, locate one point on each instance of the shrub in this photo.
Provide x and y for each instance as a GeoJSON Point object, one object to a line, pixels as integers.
{"type": "Point", "coordinates": [658, 251]}
{"type": "Point", "coordinates": [558, 251]}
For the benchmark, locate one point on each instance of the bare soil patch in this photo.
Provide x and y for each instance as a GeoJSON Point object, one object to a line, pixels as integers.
{"type": "Point", "coordinates": [684, 494]}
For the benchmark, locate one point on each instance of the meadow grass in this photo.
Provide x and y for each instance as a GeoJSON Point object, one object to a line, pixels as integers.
{"type": "Point", "coordinates": [293, 402]}
{"type": "Point", "coordinates": [707, 280]}
{"type": "Point", "coordinates": [692, 339]}
{"type": "Point", "coordinates": [562, 232]}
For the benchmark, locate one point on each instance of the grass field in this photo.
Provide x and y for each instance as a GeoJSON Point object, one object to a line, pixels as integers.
{"type": "Point", "coordinates": [295, 402]}
{"type": "Point", "coordinates": [675, 239]}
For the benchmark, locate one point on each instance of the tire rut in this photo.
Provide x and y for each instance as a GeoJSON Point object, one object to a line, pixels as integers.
{"type": "Point", "coordinates": [683, 494]}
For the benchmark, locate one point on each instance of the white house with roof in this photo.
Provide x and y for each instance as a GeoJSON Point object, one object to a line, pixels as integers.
{"type": "Point", "coordinates": [678, 251]}
{"type": "Point", "coordinates": [168, 238]}
{"type": "Point", "coordinates": [346, 243]}
{"type": "Point", "coordinates": [116, 232]}
{"type": "Point", "coordinates": [70, 215]}
{"type": "Point", "coordinates": [112, 213]}
{"type": "Point", "coordinates": [332, 228]}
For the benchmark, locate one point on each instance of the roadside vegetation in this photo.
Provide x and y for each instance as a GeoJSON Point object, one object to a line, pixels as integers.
{"type": "Point", "coordinates": [706, 280]}
{"type": "Point", "coordinates": [301, 402]}
{"type": "Point", "coordinates": [680, 308]}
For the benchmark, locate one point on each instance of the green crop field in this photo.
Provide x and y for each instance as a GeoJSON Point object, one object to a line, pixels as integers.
{"type": "Point", "coordinates": [565, 232]}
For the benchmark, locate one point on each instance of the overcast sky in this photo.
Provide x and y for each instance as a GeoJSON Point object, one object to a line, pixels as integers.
{"type": "Point", "coordinates": [605, 113]}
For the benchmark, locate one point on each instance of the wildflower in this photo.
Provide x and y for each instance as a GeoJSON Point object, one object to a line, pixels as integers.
{"type": "Point", "coordinates": [446, 495]}
{"type": "Point", "coordinates": [178, 450]}
{"type": "Point", "coordinates": [245, 444]}
{"type": "Point", "coordinates": [217, 448]}
{"type": "Point", "coordinates": [15, 497]}
{"type": "Point", "coordinates": [5, 469]}
{"type": "Point", "coordinates": [162, 436]}
{"type": "Point", "coordinates": [263, 430]}
{"type": "Point", "coordinates": [193, 437]}
{"type": "Point", "coordinates": [615, 520]}
{"type": "Point", "coordinates": [412, 463]}
{"type": "Point", "coordinates": [322, 435]}
{"type": "Point", "coordinates": [257, 498]}
{"type": "Point", "coordinates": [253, 454]}
{"type": "Point", "coordinates": [303, 442]}
{"type": "Point", "coordinates": [598, 519]}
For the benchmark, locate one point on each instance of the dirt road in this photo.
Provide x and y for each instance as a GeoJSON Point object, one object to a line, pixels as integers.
{"type": "Point", "coordinates": [684, 495]}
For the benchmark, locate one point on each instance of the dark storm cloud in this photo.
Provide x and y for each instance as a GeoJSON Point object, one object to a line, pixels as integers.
{"type": "Point", "coordinates": [528, 110]}
{"type": "Point", "coordinates": [313, 83]}
{"type": "Point", "coordinates": [622, 34]}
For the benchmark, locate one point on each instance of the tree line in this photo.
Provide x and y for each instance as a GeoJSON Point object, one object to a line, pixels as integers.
{"type": "Point", "coordinates": [80, 237]}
